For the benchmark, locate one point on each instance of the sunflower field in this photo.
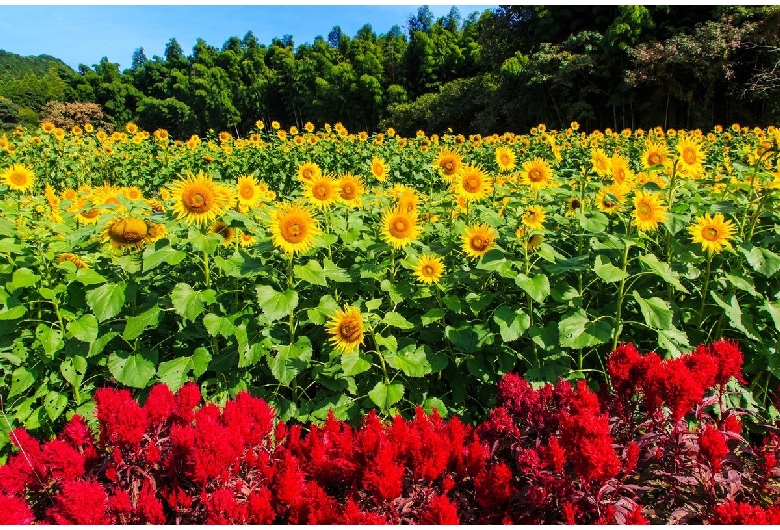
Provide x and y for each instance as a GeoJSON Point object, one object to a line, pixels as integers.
{"type": "Point", "coordinates": [324, 270]}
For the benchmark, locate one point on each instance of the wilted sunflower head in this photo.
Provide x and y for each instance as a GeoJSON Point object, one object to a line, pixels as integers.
{"type": "Point", "coordinates": [346, 329]}
{"type": "Point", "coordinates": [126, 233]}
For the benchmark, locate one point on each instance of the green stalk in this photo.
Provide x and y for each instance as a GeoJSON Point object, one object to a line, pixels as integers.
{"type": "Point", "coordinates": [704, 290]}
{"type": "Point", "coordinates": [290, 286]}
{"type": "Point", "coordinates": [530, 303]}
{"type": "Point", "coordinates": [621, 291]}
{"type": "Point", "coordinates": [379, 354]}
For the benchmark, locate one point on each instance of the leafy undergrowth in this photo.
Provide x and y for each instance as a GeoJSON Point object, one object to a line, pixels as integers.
{"type": "Point", "coordinates": [658, 447]}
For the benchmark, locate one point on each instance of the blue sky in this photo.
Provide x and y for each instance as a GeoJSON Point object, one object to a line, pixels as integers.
{"type": "Point", "coordinates": [85, 33]}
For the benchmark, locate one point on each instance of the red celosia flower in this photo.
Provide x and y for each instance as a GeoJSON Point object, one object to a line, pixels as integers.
{"type": "Point", "coordinates": [215, 448]}
{"type": "Point", "coordinates": [555, 455]}
{"type": "Point", "coordinates": [632, 457]}
{"type": "Point", "coordinates": [187, 398]}
{"type": "Point", "coordinates": [222, 508]}
{"type": "Point", "coordinates": [63, 461]}
{"type": "Point", "coordinates": [352, 515]}
{"type": "Point", "coordinates": [120, 507]}
{"type": "Point", "coordinates": [159, 405]}
{"type": "Point", "coordinates": [741, 513]}
{"type": "Point", "coordinates": [494, 486]}
{"type": "Point", "coordinates": [149, 508]}
{"type": "Point", "coordinates": [80, 503]}
{"type": "Point", "coordinates": [729, 360]}
{"type": "Point", "coordinates": [568, 513]}
{"type": "Point", "coordinates": [78, 434]}
{"type": "Point", "coordinates": [251, 417]}
{"type": "Point", "coordinates": [122, 420]}
{"type": "Point", "coordinates": [259, 509]}
{"type": "Point", "coordinates": [14, 511]}
{"type": "Point", "coordinates": [625, 368]}
{"type": "Point", "coordinates": [383, 477]}
{"type": "Point", "coordinates": [440, 511]}
{"type": "Point", "coordinates": [712, 448]}
{"type": "Point", "coordinates": [732, 424]}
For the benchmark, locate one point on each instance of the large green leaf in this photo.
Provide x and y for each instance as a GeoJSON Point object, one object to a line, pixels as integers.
{"type": "Point", "coordinates": [385, 396]}
{"type": "Point", "coordinates": [51, 339]}
{"type": "Point", "coordinates": [274, 304]}
{"type": "Point", "coordinates": [133, 370]}
{"type": "Point", "coordinates": [608, 272]}
{"type": "Point", "coordinates": [291, 360]}
{"type": "Point", "coordinates": [354, 363]}
{"type": "Point", "coordinates": [512, 323]}
{"type": "Point", "coordinates": [663, 270]}
{"type": "Point", "coordinates": [397, 320]}
{"type": "Point", "coordinates": [312, 272]}
{"type": "Point", "coordinates": [411, 360]}
{"type": "Point", "coordinates": [189, 303]}
{"type": "Point", "coordinates": [73, 369]}
{"type": "Point", "coordinates": [743, 323]}
{"type": "Point", "coordinates": [23, 277]}
{"type": "Point", "coordinates": [762, 260]}
{"type": "Point", "coordinates": [55, 403]}
{"type": "Point", "coordinates": [137, 324]}
{"type": "Point", "coordinates": [773, 308]}
{"type": "Point", "coordinates": [656, 311]}
{"type": "Point", "coordinates": [154, 256]}
{"type": "Point", "coordinates": [174, 372]}
{"type": "Point", "coordinates": [21, 380]}
{"type": "Point", "coordinates": [85, 328]}
{"type": "Point", "coordinates": [107, 300]}
{"type": "Point", "coordinates": [538, 286]}
{"type": "Point", "coordinates": [334, 272]}
{"type": "Point", "coordinates": [576, 330]}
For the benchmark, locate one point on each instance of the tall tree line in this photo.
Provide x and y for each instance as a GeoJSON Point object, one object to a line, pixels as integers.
{"type": "Point", "coordinates": [501, 70]}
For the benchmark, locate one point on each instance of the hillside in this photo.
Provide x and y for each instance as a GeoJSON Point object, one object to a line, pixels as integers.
{"type": "Point", "coordinates": [14, 65]}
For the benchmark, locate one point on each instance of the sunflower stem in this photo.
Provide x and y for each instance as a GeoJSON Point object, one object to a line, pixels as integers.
{"type": "Point", "coordinates": [379, 354]}
{"type": "Point", "coordinates": [621, 291]}
{"type": "Point", "coordinates": [704, 289]}
{"type": "Point", "coordinates": [290, 286]}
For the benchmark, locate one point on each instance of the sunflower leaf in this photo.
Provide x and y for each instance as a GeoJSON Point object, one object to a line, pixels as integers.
{"type": "Point", "coordinates": [397, 320]}
{"type": "Point", "coordinates": [137, 324]}
{"type": "Point", "coordinates": [576, 330]}
{"type": "Point", "coordinates": [538, 286]}
{"type": "Point", "coordinates": [312, 272]}
{"type": "Point", "coordinates": [275, 304]}
{"type": "Point", "coordinates": [762, 260]}
{"type": "Point", "coordinates": [385, 396]}
{"type": "Point", "coordinates": [133, 370]}
{"type": "Point", "coordinates": [512, 323]}
{"type": "Point", "coordinates": [334, 272]}
{"type": "Point", "coordinates": [608, 272]}
{"type": "Point", "coordinates": [107, 300]}
{"type": "Point", "coordinates": [154, 256]}
{"type": "Point", "coordinates": [85, 328]}
{"type": "Point", "coordinates": [663, 270]}
{"type": "Point", "coordinates": [187, 302]}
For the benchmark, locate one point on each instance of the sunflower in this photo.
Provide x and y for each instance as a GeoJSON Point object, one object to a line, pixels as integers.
{"type": "Point", "coordinates": [478, 239]}
{"type": "Point", "coordinates": [712, 232]}
{"type": "Point", "coordinates": [126, 233]}
{"type": "Point", "coordinates": [380, 169]}
{"type": "Point", "coordinates": [293, 228]}
{"type": "Point", "coordinates": [608, 199]}
{"type": "Point", "coordinates": [533, 217]}
{"type": "Point", "coordinates": [18, 177]}
{"type": "Point", "coordinates": [133, 193]}
{"type": "Point", "coordinates": [429, 268]}
{"type": "Point", "coordinates": [308, 171]}
{"type": "Point", "coordinates": [322, 191]}
{"type": "Point", "coordinates": [69, 194]}
{"type": "Point", "coordinates": [227, 232]}
{"type": "Point", "coordinates": [346, 329]}
{"type": "Point", "coordinates": [198, 199]}
{"type": "Point", "coordinates": [655, 154]}
{"type": "Point", "coordinates": [537, 174]}
{"type": "Point", "coordinates": [505, 158]}
{"type": "Point", "coordinates": [622, 174]}
{"type": "Point", "coordinates": [247, 190]}
{"type": "Point", "coordinates": [350, 190]}
{"type": "Point", "coordinates": [73, 258]}
{"type": "Point", "coordinates": [648, 211]}
{"type": "Point", "coordinates": [600, 162]}
{"type": "Point", "coordinates": [86, 216]}
{"type": "Point", "coordinates": [574, 206]}
{"type": "Point", "coordinates": [407, 200]}
{"type": "Point", "coordinates": [471, 183]}
{"type": "Point", "coordinates": [400, 227]}
{"type": "Point", "coordinates": [691, 156]}
{"type": "Point", "coordinates": [448, 163]}
{"type": "Point", "coordinates": [245, 239]}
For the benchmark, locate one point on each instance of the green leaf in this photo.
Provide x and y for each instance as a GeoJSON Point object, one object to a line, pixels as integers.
{"type": "Point", "coordinates": [132, 370]}
{"type": "Point", "coordinates": [395, 319]}
{"type": "Point", "coordinates": [663, 270]}
{"type": "Point", "coordinates": [9, 246]}
{"type": "Point", "coordinates": [85, 328]}
{"type": "Point", "coordinates": [157, 256]}
{"type": "Point", "coordinates": [13, 313]}
{"type": "Point", "coordinates": [576, 330]}
{"type": "Point", "coordinates": [55, 403]}
{"type": "Point", "coordinates": [334, 272]}
{"type": "Point", "coordinates": [100, 343]}
{"type": "Point", "coordinates": [608, 272]}
{"type": "Point", "coordinates": [595, 222]}
{"type": "Point", "coordinates": [201, 242]}
{"type": "Point", "coordinates": [354, 363]}
{"type": "Point", "coordinates": [734, 313]}
{"type": "Point", "coordinates": [412, 360]}
{"type": "Point", "coordinates": [51, 339]}
{"type": "Point", "coordinates": [578, 263]}
{"type": "Point", "coordinates": [434, 403]}
{"type": "Point", "coordinates": [322, 312]}
{"type": "Point", "coordinates": [201, 358]}
{"type": "Point", "coordinates": [538, 286]}
{"type": "Point", "coordinates": [512, 323]}
{"type": "Point", "coordinates": [478, 302]}
{"type": "Point", "coordinates": [495, 261]}
{"type": "Point", "coordinates": [762, 260]}
{"type": "Point", "coordinates": [251, 354]}
{"type": "Point", "coordinates": [189, 303]}
{"type": "Point", "coordinates": [291, 360]}
{"type": "Point", "coordinates": [773, 308]}
{"type": "Point", "coordinates": [137, 324]}
{"type": "Point", "coordinates": [432, 316]}
{"type": "Point", "coordinates": [390, 343]}
{"type": "Point", "coordinates": [174, 372]}
{"type": "Point", "coordinates": [740, 282]}
{"type": "Point", "coordinates": [216, 325]}
{"type": "Point", "coordinates": [385, 396]}
{"type": "Point", "coordinates": [89, 277]}
{"type": "Point", "coordinates": [21, 278]}
{"type": "Point", "coordinates": [73, 369]}
{"type": "Point", "coordinates": [453, 303]}
{"type": "Point", "coordinates": [656, 311]}
{"type": "Point", "coordinates": [276, 305]}
{"type": "Point", "coordinates": [107, 300]}
{"type": "Point", "coordinates": [21, 380]}
{"type": "Point", "coordinates": [312, 272]}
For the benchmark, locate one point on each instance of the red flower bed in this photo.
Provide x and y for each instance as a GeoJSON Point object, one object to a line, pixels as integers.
{"type": "Point", "coordinates": [657, 448]}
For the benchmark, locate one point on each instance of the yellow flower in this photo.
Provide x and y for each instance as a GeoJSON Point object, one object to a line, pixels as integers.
{"type": "Point", "coordinates": [321, 191]}
{"type": "Point", "coordinates": [131, 127]}
{"type": "Point", "coordinates": [429, 268]}
{"type": "Point", "coordinates": [472, 183]}
{"type": "Point", "coordinates": [227, 232]}
{"type": "Point", "coordinates": [608, 199]}
{"type": "Point", "coordinates": [77, 261]}
{"type": "Point", "coordinates": [346, 329]}
{"type": "Point", "coordinates": [537, 174]}
{"type": "Point", "coordinates": [275, 125]}
{"type": "Point", "coordinates": [247, 190]}
{"type": "Point", "coordinates": [380, 169]}
{"type": "Point", "coordinates": [309, 126]}
{"type": "Point", "coordinates": [478, 239]}
{"type": "Point", "coordinates": [600, 162]}
{"type": "Point", "coordinates": [18, 177]}
{"type": "Point", "coordinates": [47, 127]}
{"type": "Point", "coordinates": [691, 156]}
{"type": "Point", "coordinates": [533, 217]}
{"type": "Point", "coordinates": [622, 174]}
{"type": "Point", "coordinates": [505, 158]}
{"type": "Point", "coordinates": [655, 154]}
{"type": "Point", "coordinates": [309, 171]}
{"type": "Point", "coordinates": [198, 199]}
{"type": "Point", "coordinates": [648, 211]}
{"type": "Point", "coordinates": [245, 239]}
{"type": "Point", "coordinates": [293, 228]}
{"type": "Point", "coordinates": [574, 206]}
{"type": "Point", "coordinates": [126, 233]}
{"type": "Point", "coordinates": [350, 190]}
{"type": "Point", "coordinates": [400, 227]}
{"type": "Point", "coordinates": [448, 164]}
{"type": "Point", "coordinates": [133, 193]}
{"type": "Point", "coordinates": [712, 232]}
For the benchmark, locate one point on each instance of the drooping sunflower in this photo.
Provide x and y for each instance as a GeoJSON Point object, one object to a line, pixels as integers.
{"type": "Point", "coordinates": [472, 183]}
{"type": "Point", "coordinates": [346, 329]}
{"type": "Point", "coordinates": [655, 154]}
{"type": "Point", "coordinates": [18, 177]}
{"type": "Point", "coordinates": [293, 228]}
{"type": "Point", "coordinates": [227, 232]}
{"type": "Point", "coordinates": [407, 200]}
{"type": "Point", "coordinates": [533, 217]}
{"type": "Point", "coordinates": [350, 190]}
{"type": "Point", "coordinates": [380, 169]}
{"type": "Point", "coordinates": [399, 227]}
{"type": "Point", "coordinates": [505, 158]}
{"type": "Point", "coordinates": [478, 240]}
{"type": "Point", "coordinates": [574, 206]}
{"type": "Point", "coordinates": [649, 210]}
{"type": "Point", "coordinates": [609, 199]}
{"type": "Point", "coordinates": [126, 233]}
{"type": "Point", "coordinates": [199, 200]}
{"type": "Point", "coordinates": [537, 174]}
{"type": "Point", "coordinates": [322, 191]}
{"type": "Point", "coordinates": [308, 171]}
{"type": "Point", "coordinates": [429, 268]}
{"type": "Point", "coordinates": [691, 156]}
{"type": "Point", "coordinates": [247, 190]}
{"type": "Point", "coordinates": [448, 163]}
{"type": "Point", "coordinates": [73, 258]}
{"type": "Point", "coordinates": [600, 162]}
{"type": "Point", "coordinates": [712, 232]}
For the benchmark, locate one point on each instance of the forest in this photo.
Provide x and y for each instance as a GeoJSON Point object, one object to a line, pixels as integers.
{"type": "Point", "coordinates": [506, 69]}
